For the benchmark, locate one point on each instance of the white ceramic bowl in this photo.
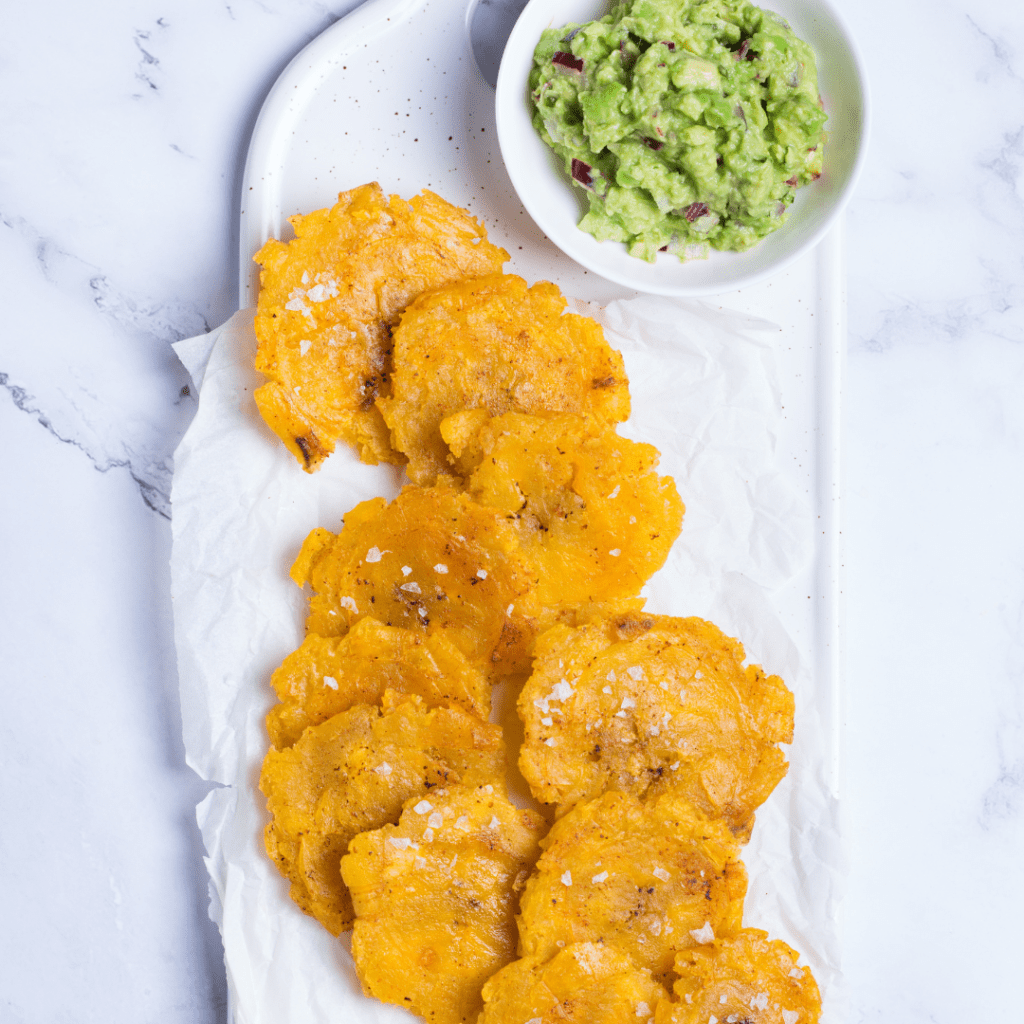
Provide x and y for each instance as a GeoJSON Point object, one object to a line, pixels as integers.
{"type": "Point", "coordinates": [557, 205]}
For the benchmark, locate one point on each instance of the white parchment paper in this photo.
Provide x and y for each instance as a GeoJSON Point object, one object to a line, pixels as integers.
{"type": "Point", "coordinates": [705, 392]}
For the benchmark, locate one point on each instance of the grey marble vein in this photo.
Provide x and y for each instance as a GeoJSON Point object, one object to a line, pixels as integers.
{"type": "Point", "coordinates": [88, 407]}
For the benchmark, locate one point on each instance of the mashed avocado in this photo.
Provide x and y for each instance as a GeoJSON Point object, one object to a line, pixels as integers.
{"type": "Point", "coordinates": [690, 123]}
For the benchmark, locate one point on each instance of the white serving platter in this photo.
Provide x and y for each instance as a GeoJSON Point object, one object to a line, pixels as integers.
{"type": "Point", "coordinates": [392, 93]}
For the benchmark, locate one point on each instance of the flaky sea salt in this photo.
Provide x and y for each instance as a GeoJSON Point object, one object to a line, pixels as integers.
{"type": "Point", "coordinates": [561, 691]}
{"type": "Point", "coordinates": [662, 874]}
{"type": "Point", "coordinates": [703, 935]}
{"type": "Point", "coordinates": [423, 806]}
{"type": "Point", "coordinates": [566, 878]}
{"type": "Point", "coordinates": [383, 768]}
{"type": "Point", "coordinates": [598, 879]}
{"type": "Point", "coordinates": [441, 568]}
{"type": "Point", "coordinates": [331, 682]}
{"type": "Point", "coordinates": [373, 555]}
{"type": "Point", "coordinates": [319, 293]}
{"type": "Point", "coordinates": [412, 587]}
{"type": "Point", "coordinates": [296, 303]}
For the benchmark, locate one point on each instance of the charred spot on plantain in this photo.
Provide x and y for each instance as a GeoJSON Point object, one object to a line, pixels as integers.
{"type": "Point", "coordinates": [604, 382]}
{"type": "Point", "coordinates": [370, 389]}
{"type": "Point", "coordinates": [511, 636]}
{"type": "Point", "coordinates": [629, 627]}
{"type": "Point", "coordinates": [312, 450]}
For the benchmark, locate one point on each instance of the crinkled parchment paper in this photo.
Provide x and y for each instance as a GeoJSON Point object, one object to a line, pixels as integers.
{"type": "Point", "coordinates": [704, 391]}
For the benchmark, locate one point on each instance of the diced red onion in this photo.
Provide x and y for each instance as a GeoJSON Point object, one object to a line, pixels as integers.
{"type": "Point", "coordinates": [568, 61]}
{"type": "Point", "coordinates": [581, 173]}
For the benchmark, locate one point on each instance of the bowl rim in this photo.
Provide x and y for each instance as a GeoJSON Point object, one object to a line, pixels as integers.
{"type": "Point", "coordinates": [510, 92]}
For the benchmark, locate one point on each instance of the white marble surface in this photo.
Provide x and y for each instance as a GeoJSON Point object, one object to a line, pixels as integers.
{"type": "Point", "coordinates": [123, 129]}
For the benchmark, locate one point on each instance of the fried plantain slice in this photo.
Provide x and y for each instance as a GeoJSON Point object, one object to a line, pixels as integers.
{"type": "Point", "coordinates": [585, 983]}
{"type": "Point", "coordinates": [435, 898]}
{"type": "Point", "coordinates": [648, 878]}
{"type": "Point", "coordinates": [329, 300]}
{"type": "Point", "coordinates": [328, 675]}
{"type": "Point", "coordinates": [494, 344]}
{"type": "Point", "coordinates": [596, 518]}
{"type": "Point", "coordinates": [432, 560]}
{"type": "Point", "coordinates": [742, 978]}
{"type": "Point", "coordinates": [353, 773]}
{"type": "Point", "coordinates": [647, 704]}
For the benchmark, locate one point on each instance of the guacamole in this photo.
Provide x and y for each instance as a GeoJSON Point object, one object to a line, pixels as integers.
{"type": "Point", "coordinates": [690, 123]}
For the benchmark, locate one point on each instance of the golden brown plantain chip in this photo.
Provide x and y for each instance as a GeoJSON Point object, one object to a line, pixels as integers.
{"type": "Point", "coordinates": [743, 978]}
{"type": "Point", "coordinates": [329, 299]}
{"type": "Point", "coordinates": [353, 773]}
{"type": "Point", "coordinates": [328, 675]}
{"type": "Point", "coordinates": [433, 561]}
{"type": "Point", "coordinates": [586, 983]}
{"type": "Point", "coordinates": [596, 519]}
{"type": "Point", "coordinates": [494, 344]}
{"type": "Point", "coordinates": [647, 878]}
{"type": "Point", "coordinates": [435, 899]}
{"type": "Point", "coordinates": [649, 704]}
